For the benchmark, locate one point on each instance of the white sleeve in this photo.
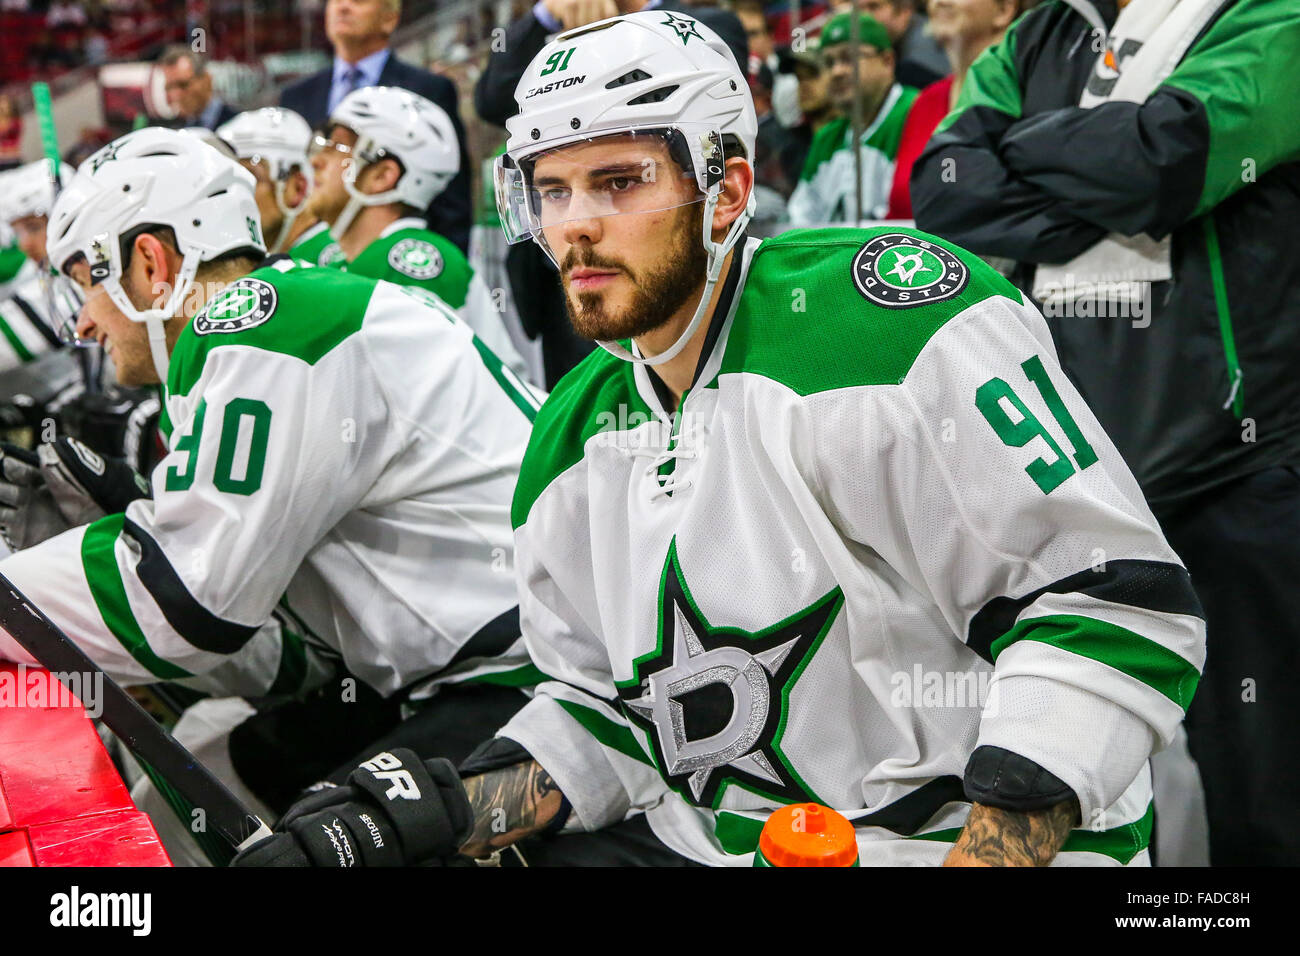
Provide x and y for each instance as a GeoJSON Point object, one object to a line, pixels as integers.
{"type": "Point", "coordinates": [574, 726]}
{"type": "Point", "coordinates": [268, 453]}
{"type": "Point", "coordinates": [988, 484]}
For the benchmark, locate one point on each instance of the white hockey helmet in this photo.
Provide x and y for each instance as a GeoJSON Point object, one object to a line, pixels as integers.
{"type": "Point", "coordinates": [278, 139]}
{"type": "Point", "coordinates": [651, 73]}
{"type": "Point", "coordinates": [401, 125]}
{"type": "Point", "coordinates": [29, 190]}
{"type": "Point", "coordinates": [154, 177]}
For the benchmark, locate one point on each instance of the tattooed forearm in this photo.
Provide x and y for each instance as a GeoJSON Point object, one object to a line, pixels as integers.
{"type": "Point", "coordinates": [509, 805]}
{"type": "Point", "coordinates": [994, 837]}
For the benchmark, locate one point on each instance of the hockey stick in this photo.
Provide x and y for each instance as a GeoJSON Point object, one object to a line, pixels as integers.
{"type": "Point", "coordinates": [143, 735]}
{"type": "Point", "coordinates": [90, 361]}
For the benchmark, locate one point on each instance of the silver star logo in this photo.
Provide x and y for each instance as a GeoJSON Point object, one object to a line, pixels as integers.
{"type": "Point", "coordinates": [744, 674]}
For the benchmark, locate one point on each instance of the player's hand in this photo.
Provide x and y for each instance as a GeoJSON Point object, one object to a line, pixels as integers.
{"type": "Point", "coordinates": [85, 485]}
{"type": "Point", "coordinates": [395, 810]}
{"type": "Point", "coordinates": [578, 13]}
{"type": "Point", "coordinates": [28, 514]}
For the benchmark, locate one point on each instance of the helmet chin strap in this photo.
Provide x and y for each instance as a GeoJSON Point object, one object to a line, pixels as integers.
{"type": "Point", "coordinates": [290, 215]}
{"type": "Point", "coordinates": [717, 256]}
{"type": "Point", "coordinates": [356, 198]}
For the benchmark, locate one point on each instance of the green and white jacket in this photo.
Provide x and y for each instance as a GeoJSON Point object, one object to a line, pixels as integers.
{"type": "Point", "coordinates": [825, 192]}
{"type": "Point", "coordinates": [340, 451]}
{"type": "Point", "coordinates": [882, 530]}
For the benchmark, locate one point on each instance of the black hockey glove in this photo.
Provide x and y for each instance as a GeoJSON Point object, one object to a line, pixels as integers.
{"type": "Point", "coordinates": [28, 513]}
{"type": "Point", "coordinates": [85, 485]}
{"type": "Point", "coordinates": [395, 810]}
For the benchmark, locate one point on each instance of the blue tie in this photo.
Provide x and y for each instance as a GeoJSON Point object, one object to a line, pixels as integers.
{"type": "Point", "coordinates": [352, 78]}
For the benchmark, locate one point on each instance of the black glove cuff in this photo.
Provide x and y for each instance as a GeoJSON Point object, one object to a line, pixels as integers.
{"type": "Point", "coordinates": [999, 778]}
{"type": "Point", "coordinates": [424, 801]}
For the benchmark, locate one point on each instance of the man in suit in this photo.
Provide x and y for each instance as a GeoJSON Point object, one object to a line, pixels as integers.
{"type": "Point", "coordinates": [188, 85]}
{"type": "Point", "coordinates": [532, 276]}
{"type": "Point", "coordinates": [360, 31]}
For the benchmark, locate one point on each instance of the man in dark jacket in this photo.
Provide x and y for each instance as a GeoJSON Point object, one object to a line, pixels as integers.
{"type": "Point", "coordinates": [532, 276]}
{"type": "Point", "coordinates": [360, 31]}
{"type": "Point", "coordinates": [187, 84]}
{"type": "Point", "coordinates": [1188, 194]}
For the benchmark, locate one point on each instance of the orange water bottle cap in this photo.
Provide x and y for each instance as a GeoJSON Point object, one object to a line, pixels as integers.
{"type": "Point", "coordinates": [807, 834]}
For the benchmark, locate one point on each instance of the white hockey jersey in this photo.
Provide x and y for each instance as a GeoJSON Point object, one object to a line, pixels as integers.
{"type": "Point", "coordinates": [882, 530]}
{"type": "Point", "coordinates": [339, 449]}
{"type": "Point", "coordinates": [25, 329]}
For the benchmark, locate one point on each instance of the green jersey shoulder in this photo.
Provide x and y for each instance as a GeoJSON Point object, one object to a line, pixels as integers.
{"type": "Point", "coordinates": [318, 247]}
{"type": "Point", "coordinates": [417, 257]}
{"type": "Point", "coordinates": [290, 309]}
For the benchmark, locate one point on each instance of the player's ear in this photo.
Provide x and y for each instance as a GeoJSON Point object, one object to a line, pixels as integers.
{"type": "Point", "coordinates": [152, 270]}
{"type": "Point", "coordinates": [737, 184]}
{"type": "Point", "coordinates": [295, 190]}
{"type": "Point", "coordinates": [382, 177]}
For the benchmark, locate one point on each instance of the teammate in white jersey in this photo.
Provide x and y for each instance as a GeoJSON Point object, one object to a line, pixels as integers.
{"type": "Point", "coordinates": [832, 526]}
{"type": "Point", "coordinates": [338, 448]}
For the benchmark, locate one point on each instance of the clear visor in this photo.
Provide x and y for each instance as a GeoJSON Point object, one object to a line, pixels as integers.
{"type": "Point", "coordinates": [641, 171]}
{"type": "Point", "coordinates": [64, 299]}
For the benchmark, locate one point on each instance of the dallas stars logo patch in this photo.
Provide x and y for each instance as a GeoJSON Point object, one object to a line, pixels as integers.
{"type": "Point", "coordinates": [242, 305]}
{"type": "Point", "coordinates": [714, 701]}
{"type": "Point", "coordinates": [899, 271]}
{"type": "Point", "coordinates": [416, 258]}
{"type": "Point", "coordinates": [684, 26]}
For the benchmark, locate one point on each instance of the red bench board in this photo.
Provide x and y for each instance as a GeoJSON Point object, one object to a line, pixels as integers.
{"type": "Point", "coordinates": [59, 785]}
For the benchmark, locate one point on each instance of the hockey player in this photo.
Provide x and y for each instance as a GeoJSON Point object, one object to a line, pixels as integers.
{"type": "Point", "coordinates": [832, 526]}
{"type": "Point", "coordinates": [389, 153]}
{"type": "Point", "coordinates": [271, 143]}
{"type": "Point", "coordinates": [26, 330]}
{"type": "Point", "coordinates": [826, 191]}
{"type": "Point", "coordinates": [337, 447]}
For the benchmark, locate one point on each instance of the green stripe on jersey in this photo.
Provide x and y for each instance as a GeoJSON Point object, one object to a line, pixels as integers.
{"type": "Point", "coordinates": [313, 312]}
{"type": "Point", "coordinates": [598, 395]}
{"type": "Point", "coordinates": [1130, 653]}
{"type": "Point", "coordinates": [801, 320]}
{"type": "Point", "coordinates": [610, 733]}
{"type": "Point", "coordinates": [11, 262]}
{"type": "Point", "coordinates": [739, 835]}
{"type": "Point", "coordinates": [99, 558]}
{"type": "Point", "coordinates": [15, 343]}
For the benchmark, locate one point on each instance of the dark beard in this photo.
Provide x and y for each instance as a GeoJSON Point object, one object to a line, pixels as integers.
{"type": "Point", "coordinates": [657, 294]}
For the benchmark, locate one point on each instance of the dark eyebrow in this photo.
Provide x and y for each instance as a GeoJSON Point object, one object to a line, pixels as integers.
{"type": "Point", "coordinates": [614, 169]}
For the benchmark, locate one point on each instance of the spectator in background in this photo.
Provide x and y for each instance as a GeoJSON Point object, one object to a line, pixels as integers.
{"type": "Point", "coordinates": [11, 133]}
{"type": "Point", "coordinates": [360, 31]}
{"type": "Point", "coordinates": [533, 279]}
{"type": "Point", "coordinates": [1149, 193]}
{"type": "Point", "coordinates": [965, 29]}
{"type": "Point", "coordinates": [815, 108]}
{"type": "Point", "coordinates": [188, 85]}
{"type": "Point", "coordinates": [919, 60]}
{"type": "Point", "coordinates": [781, 88]}
{"type": "Point", "coordinates": [827, 192]}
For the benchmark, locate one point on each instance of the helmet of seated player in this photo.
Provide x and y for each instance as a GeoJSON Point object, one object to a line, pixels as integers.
{"type": "Point", "coordinates": [154, 177]}
{"type": "Point", "coordinates": [276, 139]}
{"type": "Point", "coordinates": [657, 73]}
{"type": "Point", "coordinates": [401, 125]}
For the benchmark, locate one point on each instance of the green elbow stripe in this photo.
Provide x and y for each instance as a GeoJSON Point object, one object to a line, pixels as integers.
{"type": "Point", "coordinates": [609, 733]}
{"type": "Point", "coordinates": [109, 592]}
{"type": "Point", "coordinates": [1117, 647]}
{"type": "Point", "coordinates": [15, 343]}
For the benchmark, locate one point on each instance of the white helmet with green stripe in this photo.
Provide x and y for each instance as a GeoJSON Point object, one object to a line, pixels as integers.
{"type": "Point", "coordinates": [650, 73]}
